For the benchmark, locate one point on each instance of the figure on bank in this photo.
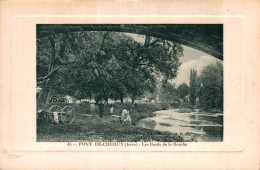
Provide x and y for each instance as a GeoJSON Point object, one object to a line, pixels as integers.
{"type": "Point", "coordinates": [125, 117]}
{"type": "Point", "coordinates": [128, 118]}
{"type": "Point", "coordinates": [92, 107]}
{"type": "Point", "coordinates": [101, 107]}
{"type": "Point", "coordinates": [111, 110]}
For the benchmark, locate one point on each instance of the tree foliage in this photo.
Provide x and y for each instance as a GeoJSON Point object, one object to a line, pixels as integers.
{"type": "Point", "coordinates": [193, 86]}
{"type": "Point", "coordinates": [183, 90]}
{"type": "Point", "coordinates": [211, 87]}
{"type": "Point", "coordinates": [168, 93]}
{"type": "Point", "coordinates": [103, 65]}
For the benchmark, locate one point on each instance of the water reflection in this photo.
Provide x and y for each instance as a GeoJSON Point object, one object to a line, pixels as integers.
{"type": "Point", "coordinates": [203, 127]}
{"type": "Point", "coordinates": [165, 124]}
{"type": "Point", "coordinates": [150, 124]}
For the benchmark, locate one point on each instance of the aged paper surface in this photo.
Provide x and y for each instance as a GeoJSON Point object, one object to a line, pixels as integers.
{"type": "Point", "coordinates": [240, 147]}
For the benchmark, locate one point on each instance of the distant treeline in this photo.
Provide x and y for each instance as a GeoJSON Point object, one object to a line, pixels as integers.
{"type": "Point", "coordinates": [205, 90]}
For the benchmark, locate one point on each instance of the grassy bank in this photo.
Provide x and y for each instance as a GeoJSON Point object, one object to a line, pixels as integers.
{"type": "Point", "coordinates": [107, 128]}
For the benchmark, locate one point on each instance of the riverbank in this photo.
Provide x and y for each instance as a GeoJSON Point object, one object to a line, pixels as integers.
{"type": "Point", "coordinates": [107, 128]}
{"type": "Point", "coordinates": [195, 126]}
{"type": "Point", "coordinates": [186, 107]}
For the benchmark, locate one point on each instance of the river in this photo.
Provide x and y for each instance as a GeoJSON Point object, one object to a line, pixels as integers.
{"type": "Point", "coordinates": [193, 126]}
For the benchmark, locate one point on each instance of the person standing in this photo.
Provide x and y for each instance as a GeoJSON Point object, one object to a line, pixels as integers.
{"type": "Point", "coordinates": [101, 107]}
{"type": "Point", "coordinates": [92, 107]}
{"type": "Point", "coordinates": [111, 110]}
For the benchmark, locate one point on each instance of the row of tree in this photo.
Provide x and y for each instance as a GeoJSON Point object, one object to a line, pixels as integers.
{"type": "Point", "coordinates": [205, 90]}
{"type": "Point", "coordinates": [103, 65]}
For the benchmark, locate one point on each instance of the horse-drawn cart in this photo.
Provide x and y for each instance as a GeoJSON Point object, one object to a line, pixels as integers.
{"type": "Point", "coordinates": [56, 113]}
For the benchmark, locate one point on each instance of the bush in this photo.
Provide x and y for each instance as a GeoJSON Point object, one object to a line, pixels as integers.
{"type": "Point", "coordinates": [186, 105]}
{"type": "Point", "coordinates": [165, 106]}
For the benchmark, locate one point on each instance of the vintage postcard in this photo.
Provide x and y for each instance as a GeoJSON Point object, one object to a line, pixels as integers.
{"type": "Point", "coordinates": [129, 83]}
{"type": "Point", "coordinates": [92, 82]}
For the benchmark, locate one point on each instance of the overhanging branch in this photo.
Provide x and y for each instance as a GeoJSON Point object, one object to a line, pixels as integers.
{"type": "Point", "coordinates": [49, 75]}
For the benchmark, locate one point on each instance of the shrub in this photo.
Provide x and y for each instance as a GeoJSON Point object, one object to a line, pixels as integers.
{"type": "Point", "coordinates": [186, 105]}
{"type": "Point", "coordinates": [165, 106]}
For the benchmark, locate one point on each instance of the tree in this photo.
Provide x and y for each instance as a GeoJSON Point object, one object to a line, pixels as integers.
{"type": "Point", "coordinates": [54, 58]}
{"type": "Point", "coordinates": [73, 64]}
{"type": "Point", "coordinates": [154, 56]}
{"type": "Point", "coordinates": [193, 86]}
{"type": "Point", "coordinates": [211, 87]}
{"type": "Point", "coordinates": [183, 90]}
{"type": "Point", "coordinates": [168, 93]}
{"type": "Point", "coordinates": [139, 82]}
{"type": "Point", "coordinates": [102, 65]}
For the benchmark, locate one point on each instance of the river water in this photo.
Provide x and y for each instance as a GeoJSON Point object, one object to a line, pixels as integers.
{"type": "Point", "coordinates": [193, 126]}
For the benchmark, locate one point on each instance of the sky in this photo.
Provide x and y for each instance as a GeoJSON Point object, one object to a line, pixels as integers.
{"type": "Point", "coordinates": [192, 59]}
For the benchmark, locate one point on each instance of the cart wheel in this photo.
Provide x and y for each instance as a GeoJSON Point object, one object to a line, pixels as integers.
{"type": "Point", "coordinates": [54, 108]}
{"type": "Point", "coordinates": [54, 99]}
{"type": "Point", "coordinates": [68, 114]}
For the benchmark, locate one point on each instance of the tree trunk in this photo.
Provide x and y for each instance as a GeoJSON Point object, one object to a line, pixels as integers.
{"type": "Point", "coordinates": [46, 92]}
{"type": "Point", "coordinates": [121, 98]}
{"type": "Point", "coordinates": [133, 99]}
{"type": "Point", "coordinates": [49, 95]}
{"type": "Point", "coordinates": [44, 96]}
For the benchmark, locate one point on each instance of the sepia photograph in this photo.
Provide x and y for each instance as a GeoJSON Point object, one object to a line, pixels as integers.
{"type": "Point", "coordinates": [129, 82]}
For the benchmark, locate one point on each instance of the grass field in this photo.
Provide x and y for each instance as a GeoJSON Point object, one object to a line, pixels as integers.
{"type": "Point", "coordinates": [106, 129]}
